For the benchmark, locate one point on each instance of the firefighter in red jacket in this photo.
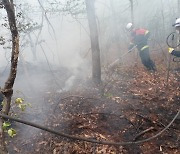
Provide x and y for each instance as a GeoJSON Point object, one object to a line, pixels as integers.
{"type": "Point", "coordinates": [139, 38]}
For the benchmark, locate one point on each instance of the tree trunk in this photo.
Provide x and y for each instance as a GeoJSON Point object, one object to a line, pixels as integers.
{"type": "Point", "coordinates": [96, 64]}
{"type": "Point", "coordinates": [132, 11]}
{"type": "Point", "coordinates": [163, 21]}
{"type": "Point", "coordinates": [3, 149]}
{"type": "Point", "coordinates": [115, 27]}
{"type": "Point", "coordinates": [33, 47]}
{"type": "Point", "coordinates": [178, 7]}
{"type": "Point", "coordinates": [8, 87]}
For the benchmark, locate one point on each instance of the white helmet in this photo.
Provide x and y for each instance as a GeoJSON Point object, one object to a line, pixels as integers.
{"type": "Point", "coordinates": [177, 23]}
{"type": "Point", "coordinates": [129, 26]}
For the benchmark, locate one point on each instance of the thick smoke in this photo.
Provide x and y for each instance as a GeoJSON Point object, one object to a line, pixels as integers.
{"type": "Point", "coordinates": [63, 47]}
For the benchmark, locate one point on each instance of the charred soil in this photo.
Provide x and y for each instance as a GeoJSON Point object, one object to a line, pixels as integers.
{"type": "Point", "coordinates": [131, 104]}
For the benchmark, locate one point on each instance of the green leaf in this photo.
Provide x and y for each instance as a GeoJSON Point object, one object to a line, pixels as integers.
{"type": "Point", "coordinates": [12, 132]}
{"type": "Point", "coordinates": [22, 107]}
{"type": "Point", "coordinates": [19, 100]}
{"type": "Point", "coordinates": [3, 103]}
{"type": "Point", "coordinates": [6, 124]}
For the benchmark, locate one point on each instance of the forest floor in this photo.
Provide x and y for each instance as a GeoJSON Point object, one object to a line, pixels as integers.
{"type": "Point", "coordinates": [132, 104]}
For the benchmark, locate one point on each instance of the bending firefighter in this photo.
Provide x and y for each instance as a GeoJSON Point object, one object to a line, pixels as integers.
{"type": "Point", "coordinates": [176, 51]}
{"type": "Point", "coordinates": [139, 38]}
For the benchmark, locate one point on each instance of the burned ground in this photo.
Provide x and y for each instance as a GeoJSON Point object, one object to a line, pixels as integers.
{"type": "Point", "coordinates": [130, 101]}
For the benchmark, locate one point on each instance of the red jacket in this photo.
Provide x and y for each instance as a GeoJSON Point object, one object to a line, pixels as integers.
{"type": "Point", "coordinates": [139, 37]}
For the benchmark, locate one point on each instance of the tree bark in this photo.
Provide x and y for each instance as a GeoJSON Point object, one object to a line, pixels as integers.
{"type": "Point", "coordinates": [8, 87]}
{"type": "Point", "coordinates": [96, 63]}
{"type": "Point", "coordinates": [3, 149]}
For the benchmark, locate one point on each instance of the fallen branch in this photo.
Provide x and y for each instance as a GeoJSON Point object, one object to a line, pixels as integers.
{"type": "Point", "coordinates": [102, 113]}
{"type": "Point", "coordinates": [81, 97]}
{"type": "Point", "coordinates": [143, 132]}
{"type": "Point", "coordinates": [150, 121]}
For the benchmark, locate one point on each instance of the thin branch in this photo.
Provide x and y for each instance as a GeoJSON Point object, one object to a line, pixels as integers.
{"type": "Point", "coordinates": [52, 73]}
{"type": "Point", "coordinates": [47, 19]}
{"type": "Point", "coordinates": [143, 132]}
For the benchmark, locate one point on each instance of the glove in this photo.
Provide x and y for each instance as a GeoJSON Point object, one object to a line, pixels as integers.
{"type": "Point", "coordinates": [170, 50]}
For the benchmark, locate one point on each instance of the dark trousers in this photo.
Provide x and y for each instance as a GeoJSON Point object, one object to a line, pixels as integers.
{"type": "Point", "coordinates": [146, 60]}
{"type": "Point", "coordinates": [176, 53]}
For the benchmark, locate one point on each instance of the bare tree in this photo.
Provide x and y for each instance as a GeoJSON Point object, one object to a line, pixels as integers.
{"type": "Point", "coordinates": [115, 26]}
{"type": "Point", "coordinates": [8, 87]}
{"type": "Point", "coordinates": [96, 63]}
{"type": "Point", "coordinates": [178, 7]}
{"type": "Point", "coordinates": [163, 19]}
{"type": "Point", "coordinates": [132, 11]}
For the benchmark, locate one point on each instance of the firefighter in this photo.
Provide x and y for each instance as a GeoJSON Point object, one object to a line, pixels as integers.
{"type": "Point", "coordinates": [139, 38]}
{"type": "Point", "coordinates": [176, 51]}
